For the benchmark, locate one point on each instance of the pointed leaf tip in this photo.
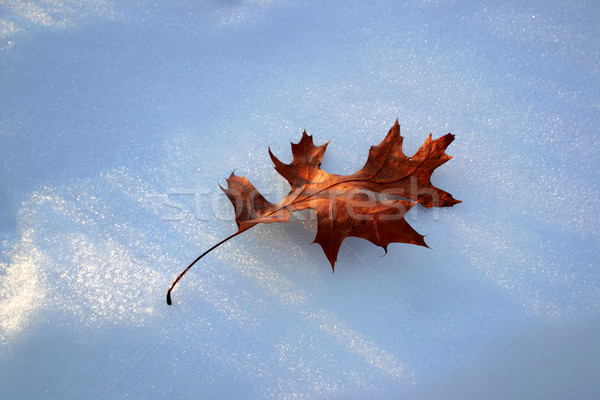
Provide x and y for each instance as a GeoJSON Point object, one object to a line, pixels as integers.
{"type": "Point", "coordinates": [275, 160]}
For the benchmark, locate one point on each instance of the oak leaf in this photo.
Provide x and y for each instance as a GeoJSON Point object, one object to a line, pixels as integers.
{"type": "Point", "coordinates": [369, 204]}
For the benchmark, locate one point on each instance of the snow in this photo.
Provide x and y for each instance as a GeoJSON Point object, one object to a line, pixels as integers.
{"type": "Point", "coordinates": [118, 120]}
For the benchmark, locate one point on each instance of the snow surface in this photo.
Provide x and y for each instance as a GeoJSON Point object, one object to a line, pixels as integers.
{"type": "Point", "coordinates": [119, 119]}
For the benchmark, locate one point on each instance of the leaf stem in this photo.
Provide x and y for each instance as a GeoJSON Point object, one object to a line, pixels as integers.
{"type": "Point", "coordinates": [195, 261]}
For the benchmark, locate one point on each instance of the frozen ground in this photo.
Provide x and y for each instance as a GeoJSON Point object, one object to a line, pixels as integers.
{"type": "Point", "coordinates": [119, 119]}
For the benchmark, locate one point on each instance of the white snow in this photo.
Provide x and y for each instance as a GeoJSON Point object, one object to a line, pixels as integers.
{"type": "Point", "coordinates": [118, 120]}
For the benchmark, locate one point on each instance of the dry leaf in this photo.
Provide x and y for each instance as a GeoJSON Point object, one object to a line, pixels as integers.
{"type": "Point", "coordinates": [370, 203]}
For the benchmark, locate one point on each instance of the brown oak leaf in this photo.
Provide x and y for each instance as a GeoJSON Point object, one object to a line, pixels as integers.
{"type": "Point", "coordinates": [369, 204]}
